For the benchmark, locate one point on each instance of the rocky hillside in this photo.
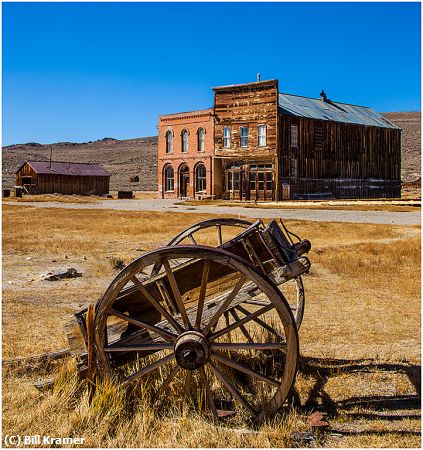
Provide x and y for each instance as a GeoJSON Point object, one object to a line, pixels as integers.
{"type": "Point", "coordinates": [410, 122]}
{"type": "Point", "coordinates": [130, 157]}
{"type": "Point", "coordinates": [122, 158]}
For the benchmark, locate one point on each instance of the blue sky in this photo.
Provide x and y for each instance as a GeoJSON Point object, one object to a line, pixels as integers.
{"type": "Point", "coordinates": [84, 71]}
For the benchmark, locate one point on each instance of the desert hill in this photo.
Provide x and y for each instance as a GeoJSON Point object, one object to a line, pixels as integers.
{"type": "Point", "coordinates": [130, 157]}
{"type": "Point", "coordinates": [410, 122]}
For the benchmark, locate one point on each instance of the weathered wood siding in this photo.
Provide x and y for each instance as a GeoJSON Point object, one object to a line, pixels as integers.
{"type": "Point", "coordinates": [246, 105]}
{"type": "Point", "coordinates": [64, 184]}
{"type": "Point", "coordinates": [249, 105]}
{"type": "Point", "coordinates": [352, 160]}
{"type": "Point", "coordinates": [26, 171]}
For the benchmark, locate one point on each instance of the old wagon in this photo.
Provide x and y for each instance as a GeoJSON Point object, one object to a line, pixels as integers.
{"type": "Point", "coordinates": [216, 324]}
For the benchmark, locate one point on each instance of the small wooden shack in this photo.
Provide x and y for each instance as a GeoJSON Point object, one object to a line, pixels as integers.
{"type": "Point", "coordinates": [48, 177]}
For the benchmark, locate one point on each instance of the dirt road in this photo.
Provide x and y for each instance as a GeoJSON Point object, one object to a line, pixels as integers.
{"type": "Point", "coordinates": [320, 215]}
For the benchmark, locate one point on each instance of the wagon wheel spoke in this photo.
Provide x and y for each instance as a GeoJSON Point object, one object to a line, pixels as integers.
{"type": "Point", "coordinates": [139, 348]}
{"type": "Point", "coordinates": [219, 235]}
{"type": "Point", "coordinates": [243, 321]}
{"type": "Point", "coordinates": [233, 391]}
{"type": "Point", "coordinates": [167, 382]}
{"type": "Point", "coordinates": [156, 304]}
{"type": "Point", "coordinates": [223, 307]}
{"type": "Point", "coordinates": [209, 395]}
{"type": "Point", "coordinates": [293, 290]}
{"type": "Point", "coordinates": [231, 363]}
{"type": "Point", "coordinates": [187, 387]}
{"type": "Point", "coordinates": [242, 327]}
{"type": "Point", "coordinates": [202, 295]}
{"type": "Point", "coordinates": [248, 346]}
{"type": "Point", "coordinates": [147, 369]}
{"type": "Point", "coordinates": [166, 296]}
{"type": "Point", "coordinates": [177, 294]}
{"type": "Point", "coordinates": [192, 239]}
{"type": "Point", "coordinates": [167, 335]}
{"type": "Point", "coordinates": [260, 322]}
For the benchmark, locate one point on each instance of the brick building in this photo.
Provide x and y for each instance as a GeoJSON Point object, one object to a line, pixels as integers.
{"type": "Point", "coordinates": [185, 154]}
{"type": "Point", "coordinates": [259, 144]}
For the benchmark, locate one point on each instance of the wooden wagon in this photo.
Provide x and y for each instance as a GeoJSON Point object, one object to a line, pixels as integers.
{"type": "Point", "coordinates": [215, 324]}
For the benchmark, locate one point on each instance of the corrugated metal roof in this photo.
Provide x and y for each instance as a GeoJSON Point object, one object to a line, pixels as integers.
{"type": "Point", "coordinates": [314, 108]}
{"type": "Point", "coordinates": [68, 168]}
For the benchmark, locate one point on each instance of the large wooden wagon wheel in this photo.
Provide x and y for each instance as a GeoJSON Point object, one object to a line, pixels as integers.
{"type": "Point", "coordinates": [215, 232]}
{"type": "Point", "coordinates": [176, 337]}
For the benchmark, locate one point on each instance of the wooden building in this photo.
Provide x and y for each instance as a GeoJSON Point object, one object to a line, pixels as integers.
{"type": "Point", "coordinates": [272, 146]}
{"type": "Point", "coordinates": [45, 177]}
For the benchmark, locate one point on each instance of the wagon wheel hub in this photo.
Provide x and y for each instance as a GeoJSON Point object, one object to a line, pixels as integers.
{"type": "Point", "coordinates": [192, 350]}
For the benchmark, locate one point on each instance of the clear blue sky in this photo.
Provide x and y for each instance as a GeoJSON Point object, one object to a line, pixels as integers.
{"type": "Point", "coordinates": [84, 71]}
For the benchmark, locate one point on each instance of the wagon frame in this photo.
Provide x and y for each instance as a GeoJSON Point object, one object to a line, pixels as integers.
{"type": "Point", "coordinates": [207, 319]}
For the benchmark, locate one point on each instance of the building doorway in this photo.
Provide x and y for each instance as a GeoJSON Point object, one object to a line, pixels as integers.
{"type": "Point", "coordinates": [184, 181]}
{"type": "Point", "coordinates": [261, 182]}
{"type": "Point", "coordinates": [26, 180]}
{"type": "Point", "coordinates": [233, 181]}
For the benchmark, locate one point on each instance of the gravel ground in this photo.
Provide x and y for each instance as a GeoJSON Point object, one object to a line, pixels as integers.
{"type": "Point", "coordinates": [167, 205]}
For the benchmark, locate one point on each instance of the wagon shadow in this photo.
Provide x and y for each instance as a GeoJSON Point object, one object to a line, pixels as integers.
{"type": "Point", "coordinates": [322, 370]}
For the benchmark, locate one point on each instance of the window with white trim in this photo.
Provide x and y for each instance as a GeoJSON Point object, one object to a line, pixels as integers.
{"type": "Point", "coordinates": [294, 136]}
{"type": "Point", "coordinates": [200, 139]}
{"type": "Point", "coordinates": [262, 135]}
{"type": "Point", "coordinates": [200, 178]}
{"type": "Point", "coordinates": [226, 137]}
{"type": "Point", "coordinates": [169, 179]}
{"type": "Point", "coordinates": [244, 136]}
{"type": "Point", "coordinates": [169, 141]}
{"type": "Point", "coordinates": [184, 139]}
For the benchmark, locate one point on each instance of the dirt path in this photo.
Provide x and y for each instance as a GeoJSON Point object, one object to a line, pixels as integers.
{"type": "Point", "coordinates": [321, 215]}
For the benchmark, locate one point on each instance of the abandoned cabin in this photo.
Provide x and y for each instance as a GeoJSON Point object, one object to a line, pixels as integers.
{"type": "Point", "coordinates": [256, 143]}
{"type": "Point", "coordinates": [48, 177]}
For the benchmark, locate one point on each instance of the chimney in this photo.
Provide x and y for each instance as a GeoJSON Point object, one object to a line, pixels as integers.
{"type": "Point", "coordinates": [323, 96]}
{"type": "Point", "coordinates": [258, 77]}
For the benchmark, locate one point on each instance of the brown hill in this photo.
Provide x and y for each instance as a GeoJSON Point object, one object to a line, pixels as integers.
{"type": "Point", "coordinates": [122, 158]}
{"type": "Point", "coordinates": [410, 122]}
{"type": "Point", "coordinates": [130, 157]}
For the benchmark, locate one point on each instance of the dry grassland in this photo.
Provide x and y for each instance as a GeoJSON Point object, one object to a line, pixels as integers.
{"type": "Point", "coordinates": [62, 198]}
{"type": "Point", "coordinates": [360, 338]}
{"type": "Point", "coordinates": [53, 198]}
{"type": "Point", "coordinates": [336, 205]}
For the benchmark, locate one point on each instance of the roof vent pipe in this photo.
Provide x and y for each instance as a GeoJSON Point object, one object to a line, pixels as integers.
{"type": "Point", "coordinates": [258, 77]}
{"type": "Point", "coordinates": [323, 96]}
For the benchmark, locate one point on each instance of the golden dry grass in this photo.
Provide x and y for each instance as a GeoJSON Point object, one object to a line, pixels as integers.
{"type": "Point", "coordinates": [360, 338]}
{"type": "Point", "coordinates": [61, 198]}
{"type": "Point", "coordinates": [336, 205]}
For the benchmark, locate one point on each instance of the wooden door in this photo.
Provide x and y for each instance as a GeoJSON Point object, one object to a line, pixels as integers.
{"type": "Point", "coordinates": [234, 184]}
{"type": "Point", "coordinates": [261, 183]}
{"type": "Point", "coordinates": [185, 183]}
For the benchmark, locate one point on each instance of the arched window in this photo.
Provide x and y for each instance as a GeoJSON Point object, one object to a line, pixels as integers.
{"type": "Point", "coordinates": [169, 179]}
{"type": "Point", "coordinates": [200, 139]}
{"type": "Point", "coordinates": [184, 139]}
{"type": "Point", "coordinates": [200, 178]}
{"type": "Point", "coordinates": [169, 141]}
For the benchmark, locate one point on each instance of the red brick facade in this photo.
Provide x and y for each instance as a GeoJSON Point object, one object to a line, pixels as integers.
{"type": "Point", "coordinates": [193, 169]}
